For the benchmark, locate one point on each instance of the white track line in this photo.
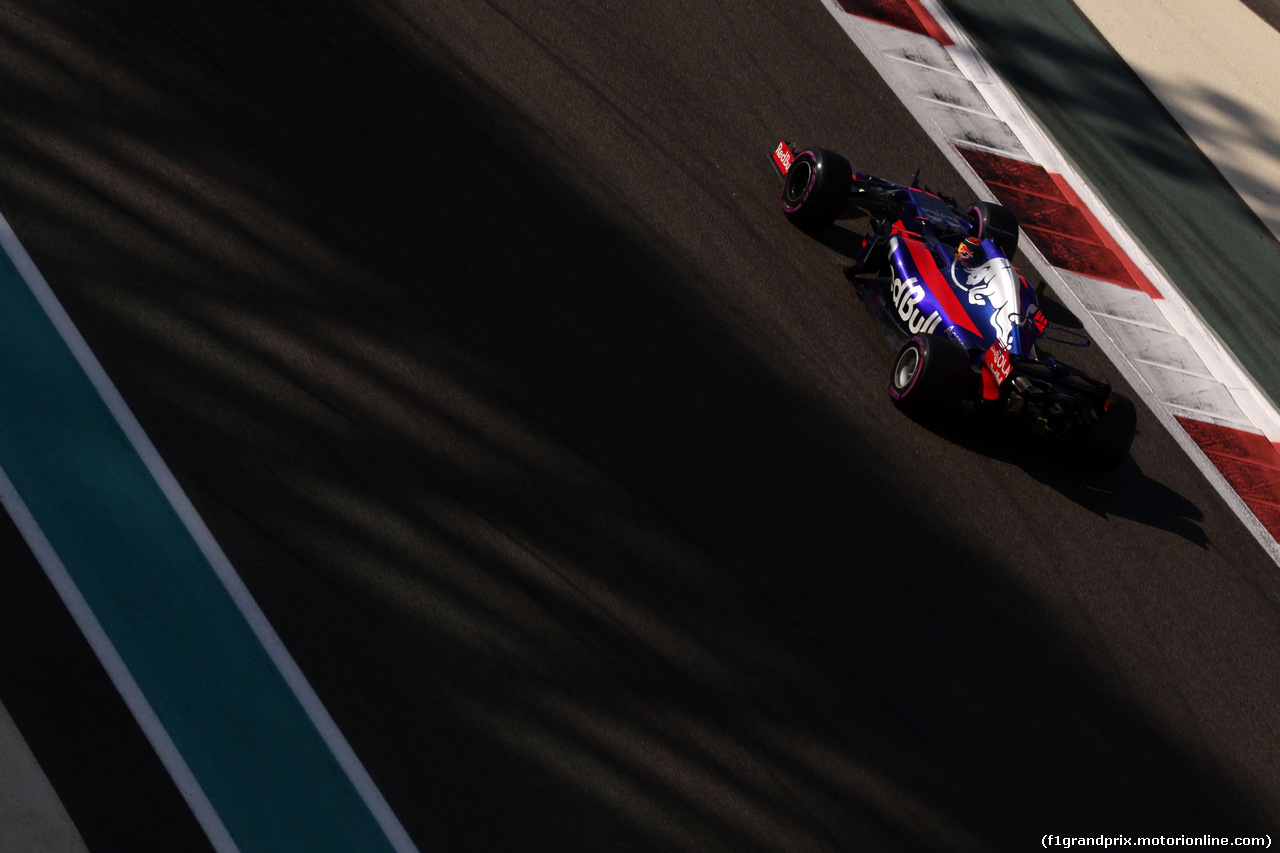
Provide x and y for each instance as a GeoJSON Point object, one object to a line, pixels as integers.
{"type": "Point", "coordinates": [266, 635]}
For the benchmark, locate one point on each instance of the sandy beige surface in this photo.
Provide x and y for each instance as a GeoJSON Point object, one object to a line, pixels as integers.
{"type": "Point", "coordinates": [1216, 66]}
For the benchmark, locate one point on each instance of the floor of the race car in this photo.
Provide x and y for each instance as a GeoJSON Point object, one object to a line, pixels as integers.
{"type": "Point", "coordinates": [875, 293]}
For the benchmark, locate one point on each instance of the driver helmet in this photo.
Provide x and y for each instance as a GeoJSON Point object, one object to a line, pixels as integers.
{"type": "Point", "coordinates": [969, 252]}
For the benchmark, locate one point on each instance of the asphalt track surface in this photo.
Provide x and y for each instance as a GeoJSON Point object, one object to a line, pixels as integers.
{"type": "Point", "coordinates": [564, 466]}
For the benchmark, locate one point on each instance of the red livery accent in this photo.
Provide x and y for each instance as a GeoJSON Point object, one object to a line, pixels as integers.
{"type": "Point", "coordinates": [782, 157]}
{"type": "Point", "coordinates": [933, 279]}
{"type": "Point", "coordinates": [1041, 322]}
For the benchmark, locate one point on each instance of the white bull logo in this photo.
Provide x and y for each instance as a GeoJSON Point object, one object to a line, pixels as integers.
{"type": "Point", "coordinates": [990, 284]}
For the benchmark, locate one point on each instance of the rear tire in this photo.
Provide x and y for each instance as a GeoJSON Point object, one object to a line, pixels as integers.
{"type": "Point", "coordinates": [816, 188]}
{"type": "Point", "coordinates": [1107, 440]}
{"type": "Point", "coordinates": [991, 221]}
{"type": "Point", "coordinates": [930, 375]}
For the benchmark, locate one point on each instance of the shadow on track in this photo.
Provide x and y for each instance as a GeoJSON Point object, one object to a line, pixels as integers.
{"type": "Point", "coordinates": [578, 553]}
{"type": "Point", "coordinates": [1126, 492]}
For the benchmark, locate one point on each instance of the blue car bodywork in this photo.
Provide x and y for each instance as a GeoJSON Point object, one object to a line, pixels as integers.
{"type": "Point", "coordinates": [940, 282]}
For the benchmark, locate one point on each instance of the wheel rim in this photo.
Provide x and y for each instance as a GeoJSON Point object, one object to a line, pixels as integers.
{"type": "Point", "coordinates": [905, 370]}
{"type": "Point", "coordinates": [798, 178]}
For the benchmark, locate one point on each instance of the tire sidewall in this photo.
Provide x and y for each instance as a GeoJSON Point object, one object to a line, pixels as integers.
{"type": "Point", "coordinates": [902, 394]}
{"type": "Point", "coordinates": [825, 192]}
{"type": "Point", "coordinates": [808, 162]}
{"type": "Point", "coordinates": [940, 377]}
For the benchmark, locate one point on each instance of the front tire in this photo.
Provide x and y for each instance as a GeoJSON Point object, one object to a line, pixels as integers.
{"type": "Point", "coordinates": [816, 188]}
{"type": "Point", "coordinates": [930, 375]}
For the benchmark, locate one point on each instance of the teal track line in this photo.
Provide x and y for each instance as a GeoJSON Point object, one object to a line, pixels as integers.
{"type": "Point", "coordinates": [115, 544]}
{"type": "Point", "coordinates": [1209, 244]}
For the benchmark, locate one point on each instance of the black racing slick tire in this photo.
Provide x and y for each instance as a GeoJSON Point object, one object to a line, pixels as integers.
{"type": "Point", "coordinates": [930, 375]}
{"type": "Point", "coordinates": [1108, 439]}
{"type": "Point", "coordinates": [816, 188]}
{"type": "Point", "coordinates": [991, 221]}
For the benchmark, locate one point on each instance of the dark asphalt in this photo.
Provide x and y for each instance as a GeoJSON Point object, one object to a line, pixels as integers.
{"type": "Point", "coordinates": [564, 466]}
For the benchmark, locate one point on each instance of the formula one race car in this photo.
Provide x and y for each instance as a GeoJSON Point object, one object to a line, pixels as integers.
{"type": "Point", "coordinates": [940, 283]}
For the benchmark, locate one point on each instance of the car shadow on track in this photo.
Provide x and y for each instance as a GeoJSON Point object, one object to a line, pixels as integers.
{"type": "Point", "coordinates": [846, 240]}
{"type": "Point", "coordinates": [1124, 492]}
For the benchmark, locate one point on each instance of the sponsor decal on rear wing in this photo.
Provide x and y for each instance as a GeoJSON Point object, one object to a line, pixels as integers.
{"type": "Point", "coordinates": [782, 158]}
